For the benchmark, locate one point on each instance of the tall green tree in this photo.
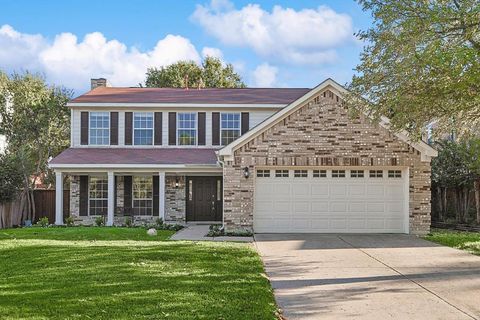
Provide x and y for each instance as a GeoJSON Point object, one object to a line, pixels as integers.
{"type": "Point", "coordinates": [421, 64]}
{"type": "Point", "coordinates": [471, 155]}
{"type": "Point", "coordinates": [36, 123]}
{"type": "Point", "coordinates": [212, 73]}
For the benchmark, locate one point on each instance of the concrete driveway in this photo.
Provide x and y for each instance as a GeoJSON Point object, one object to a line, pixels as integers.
{"type": "Point", "coordinates": [370, 277]}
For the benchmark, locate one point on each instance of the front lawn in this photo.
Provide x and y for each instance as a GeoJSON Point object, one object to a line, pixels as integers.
{"type": "Point", "coordinates": [468, 241]}
{"type": "Point", "coordinates": [84, 233]}
{"type": "Point", "coordinates": [46, 275]}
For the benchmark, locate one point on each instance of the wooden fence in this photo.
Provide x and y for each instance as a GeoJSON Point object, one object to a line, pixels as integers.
{"type": "Point", "coordinates": [11, 214]}
{"type": "Point", "coordinates": [45, 204]}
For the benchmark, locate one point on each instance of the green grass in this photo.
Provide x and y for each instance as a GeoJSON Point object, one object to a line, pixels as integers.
{"type": "Point", "coordinates": [46, 275]}
{"type": "Point", "coordinates": [468, 241]}
{"type": "Point", "coordinates": [84, 233]}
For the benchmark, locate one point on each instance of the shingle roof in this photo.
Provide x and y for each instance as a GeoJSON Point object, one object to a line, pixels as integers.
{"type": "Point", "coordinates": [203, 96]}
{"type": "Point", "coordinates": [152, 156]}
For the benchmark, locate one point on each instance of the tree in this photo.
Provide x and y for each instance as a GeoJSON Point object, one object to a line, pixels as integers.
{"type": "Point", "coordinates": [11, 177]}
{"type": "Point", "coordinates": [471, 155]}
{"type": "Point", "coordinates": [36, 124]}
{"type": "Point", "coordinates": [212, 73]}
{"type": "Point", "coordinates": [450, 171]}
{"type": "Point", "coordinates": [421, 64]}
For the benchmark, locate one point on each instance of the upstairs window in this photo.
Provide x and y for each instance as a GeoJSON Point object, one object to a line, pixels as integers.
{"type": "Point", "coordinates": [143, 128]}
{"type": "Point", "coordinates": [229, 127]}
{"type": "Point", "coordinates": [187, 129]}
{"type": "Point", "coordinates": [99, 127]}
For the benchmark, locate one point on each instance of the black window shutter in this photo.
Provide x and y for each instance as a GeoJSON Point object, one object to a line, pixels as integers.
{"type": "Point", "coordinates": [172, 128]}
{"type": "Point", "coordinates": [156, 195]}
{"type": "Point", "coordinates": [201, 128]}
{"type": "Point", "coordinates": [216, 128]}
{"type": "Point", "coordinates": [158, 128]}
{"type": "Point", "coordinates": [245, 122]}
{"type": "Point", "coordinates": [83, 203]}
{"type": "Point", "coordinates": [84, 128]}
{"type": "Point", "coordinates": [113, 128]}
{"type": "Point", "coordinates": [127, 195]}
{"type": "Point", "coordinates": [128, 127]}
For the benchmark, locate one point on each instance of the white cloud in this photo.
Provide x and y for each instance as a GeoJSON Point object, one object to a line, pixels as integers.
{"type": "Point", "coordinates": [72, 63]}
{"type": "Point", "coordinates": [212, 52]}
{"type": "Point", "coordinates": [307, 36]}
{"type": "Point", "coordinates": [265, 76]}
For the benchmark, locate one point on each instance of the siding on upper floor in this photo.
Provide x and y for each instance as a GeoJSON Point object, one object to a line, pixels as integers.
{"type": "Point", "coordinates": [257, 115]}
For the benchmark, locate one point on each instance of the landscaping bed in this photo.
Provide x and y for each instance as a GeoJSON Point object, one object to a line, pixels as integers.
{"type": "Point", "coordinates": [468, 241]}
{"type": "Point", "coordinates": [121, 273]}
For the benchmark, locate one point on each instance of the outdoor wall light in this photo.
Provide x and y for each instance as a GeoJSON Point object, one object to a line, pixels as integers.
{"type": "Point", "coordinates": [176, 182]}
{"type": "Point", "coordinates": [246, 172]}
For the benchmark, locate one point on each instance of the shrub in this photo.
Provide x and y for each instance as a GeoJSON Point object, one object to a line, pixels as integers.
{"type": "Point", "coordinates": [69, 221]}
{"type": "Point", "coordinates": [159, 223]}
{"type": "Point", "coordinates": [43, 222]}
{"type": "Point", "coordinates": [99, 221]}
{"type": "Point", "coordinates": [128, 222]}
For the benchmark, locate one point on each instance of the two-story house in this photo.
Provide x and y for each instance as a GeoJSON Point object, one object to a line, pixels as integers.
{"type": "Point", "coordinates": [268, 160]}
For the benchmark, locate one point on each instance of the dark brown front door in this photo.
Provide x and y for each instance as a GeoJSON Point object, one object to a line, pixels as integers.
{"type": "Point", "coordinates": [204, 198]}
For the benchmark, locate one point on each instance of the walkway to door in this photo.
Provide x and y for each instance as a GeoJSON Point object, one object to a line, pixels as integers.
{"type": "Point", "coordinates": [319, 276]}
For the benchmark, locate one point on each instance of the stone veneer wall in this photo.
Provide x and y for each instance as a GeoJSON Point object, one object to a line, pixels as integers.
{"type": "Point", "coordinates": [174, 203]}
{"type": "Point", "coordinates": [321, 133]}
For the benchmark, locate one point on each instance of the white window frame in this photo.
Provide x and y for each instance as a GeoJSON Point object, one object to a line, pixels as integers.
{"type": "Point", "coordinates": [282, 173]}
{"type": "Point", "coordinates": [222, 129]}
{"type": "Point", "coordinates": [96, 199]}
{"type": "Point", "coordinates": [300, 173]}
{"type": "Point", "coordinates": [339, 173]}
{"type": "Point", "coordinates": [375, 174]}
{"type": "Point", "coordinates": [321, 173]}
{"type": "Point", "coordinates": [90, 128]}
{"type": "Point", "coordinates": [181, 128]}
{"type": "Point", "coordinates": [152, 128]}
{"type": "Point", "coordinates": [357, 173]}
{"type": "Point", "coordinates": [141, 199]}
{"type": "Point", "coordinates": [395, 174]}
{"type": "Point", "coordinates": [263, 173]}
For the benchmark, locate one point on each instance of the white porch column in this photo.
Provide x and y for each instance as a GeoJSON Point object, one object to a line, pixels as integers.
{"type": "Point", "coordinates": [58, 198]}
{"type": "Point", "coordinates": [111, 194]}
{"type": "Point", "coordinates": [161, 195]}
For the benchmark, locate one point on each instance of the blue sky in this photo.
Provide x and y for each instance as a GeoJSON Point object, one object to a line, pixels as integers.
{"type": "Point", "coordinates": [271, 43]}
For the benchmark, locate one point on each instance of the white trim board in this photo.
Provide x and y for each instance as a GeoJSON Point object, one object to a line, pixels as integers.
{"type": "Point", "coordinates": [175, 105]}
{"type": "Point", "coordinates": [227, 151]}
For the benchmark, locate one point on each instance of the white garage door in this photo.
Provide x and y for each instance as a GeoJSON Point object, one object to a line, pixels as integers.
{"type": "Point", "coordinates": [331, 201]}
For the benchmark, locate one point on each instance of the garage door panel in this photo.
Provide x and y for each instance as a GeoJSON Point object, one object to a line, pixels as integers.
{"type": "Point", "coordinates": [333, 205]}
{"type": "Point", "coordinates": [319, 207]}
{"type": "Point", "coordinates": [319, 190]}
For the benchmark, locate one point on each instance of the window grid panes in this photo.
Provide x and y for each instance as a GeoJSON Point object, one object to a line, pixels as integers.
{"type": "Point", "coordinates": [319, 173]}
{"type": "Point", "coordinates": [98, 196]}
{"type": "Point", "coordinates": [394, 173]}
{"type": "Point", "coordinates": [357, 174]}
{"type": "Point", "coordinates": [99, 128]}
{"type": "Point", "coordinates": [376, 173]}
{"type": "Point", "coordinates": [229, 127]}
{"type": "Point", "coordinates": [143, 128]}
{"type": "Point", "coordinates": [263, 173]}
{"type": "Point", "coordinates": [187, 129]}
{"type": "Point", "coordinates": [338, 173]}
{"type": "Point", "coordinates": [281, 173]}
{"type": "Point", "coordinates": [143, 195]}
{"type": "Point", "coordinates": [300, 173]}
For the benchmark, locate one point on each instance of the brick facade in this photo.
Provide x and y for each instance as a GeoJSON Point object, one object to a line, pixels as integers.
{"type": "Point", "coordinates": [322, 133]}
{"type": "Point", "coordinates": [175, 205]}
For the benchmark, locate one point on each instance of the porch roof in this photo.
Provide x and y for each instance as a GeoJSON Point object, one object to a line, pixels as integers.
{"type": "Point", "coordinates": [134, 156]}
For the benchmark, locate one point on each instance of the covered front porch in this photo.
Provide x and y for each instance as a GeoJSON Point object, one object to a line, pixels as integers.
{"type": "Point", "coordinates": [140, 197]}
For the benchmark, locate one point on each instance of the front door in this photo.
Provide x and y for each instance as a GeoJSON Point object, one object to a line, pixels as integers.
{"type": "Point", "coordinates": [204, 198]}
